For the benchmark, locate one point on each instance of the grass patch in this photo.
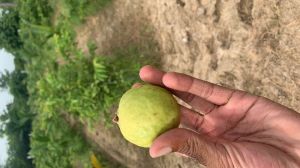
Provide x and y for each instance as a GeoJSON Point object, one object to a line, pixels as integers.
{"type": "Point", "coordinates": [61, 79]}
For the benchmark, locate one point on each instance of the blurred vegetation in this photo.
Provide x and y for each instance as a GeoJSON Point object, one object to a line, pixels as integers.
{"type": "Point", "coordinates": [54, 80]}
{"type": "Point", "coordinates": [9, 35]}
{"type": "Point", "coordinates": [16, 120]}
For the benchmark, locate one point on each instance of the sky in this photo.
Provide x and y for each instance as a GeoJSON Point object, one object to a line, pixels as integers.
{"type": "Point", "coordinates": [6, 62]}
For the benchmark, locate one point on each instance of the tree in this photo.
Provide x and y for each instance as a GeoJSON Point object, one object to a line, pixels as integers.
{"type": "Point", "coordinates": [9, 30]}
{"type": "Point", "coordinates": [4, 79]}
{"type": "Point", "coordinates": [15, 122]}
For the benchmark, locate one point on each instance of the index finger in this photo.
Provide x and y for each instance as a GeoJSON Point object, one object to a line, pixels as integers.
{"type": "Point", "coordinates": [155, 76]}
{"type": "Point", "coordinates": [211, 92]}
{"type": "Point", "coordinates": [152, 75]}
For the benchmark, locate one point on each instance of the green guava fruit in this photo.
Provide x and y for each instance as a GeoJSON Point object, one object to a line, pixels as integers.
{"type": "Point", "coordinates": [145, 113]}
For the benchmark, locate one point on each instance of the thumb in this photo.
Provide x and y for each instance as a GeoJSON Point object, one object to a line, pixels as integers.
{"type": "Point", "coordinates": [189, 143]}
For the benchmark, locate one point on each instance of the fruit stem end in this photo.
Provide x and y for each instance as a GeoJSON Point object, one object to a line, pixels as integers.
{"type": "Point", "coordinates": [116, 119]}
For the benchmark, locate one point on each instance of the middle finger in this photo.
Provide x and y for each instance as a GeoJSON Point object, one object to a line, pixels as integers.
{"type": "Point", "coordinates": [152, 75]}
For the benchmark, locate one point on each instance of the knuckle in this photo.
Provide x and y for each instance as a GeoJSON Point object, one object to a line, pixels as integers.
{"type": "Point", "coordinates": [189, 84]}
{"type": "Point", "coordinates": [193, 148]}
{"type": "Point", "coordinates": [198, 121]}
{"type": "Point", "coordinates": [208, 90]}
{"type": "Point", "coordinates": [189, 98]}
{"type": "Point", "coordinates": [208, 155]}
{"type": "Point", "coordinates": [188, 147]}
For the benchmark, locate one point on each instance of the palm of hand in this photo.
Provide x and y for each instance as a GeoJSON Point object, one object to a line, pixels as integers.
{"type": "Point", "coordinates": [235, 130]}
{"type": "Point", "coordinates": [245, 129]}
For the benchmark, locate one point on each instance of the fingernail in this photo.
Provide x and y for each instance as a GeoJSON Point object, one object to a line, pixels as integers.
{"type": "Point", "coordinates": [162, 152]}
{"type": "Point", "coordinates": [137, 85]}
{"type": "Point", "coordinates": [181, 155]}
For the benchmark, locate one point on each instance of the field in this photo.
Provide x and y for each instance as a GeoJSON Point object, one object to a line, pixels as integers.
{"type": "Point", "coordinates": [61, 84]}
{"type": "Point", "coordinates": [74, 59]}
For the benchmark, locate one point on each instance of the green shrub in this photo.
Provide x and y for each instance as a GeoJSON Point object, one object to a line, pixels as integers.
{"type": "Point", "coordinates": [63, 81]}
{"type": "Point", "coordinates": [54, 144]}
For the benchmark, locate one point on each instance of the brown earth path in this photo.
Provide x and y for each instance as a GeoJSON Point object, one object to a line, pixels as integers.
{"type": "Point", "coordinates": [251, 45]}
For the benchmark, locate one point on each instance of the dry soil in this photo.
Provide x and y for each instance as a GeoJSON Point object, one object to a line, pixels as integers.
{"type": "Point", "coordinates": [252, 45]}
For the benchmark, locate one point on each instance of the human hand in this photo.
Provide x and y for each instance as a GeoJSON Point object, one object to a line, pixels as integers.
{"type": "Point", "coordinates": [227, 128]}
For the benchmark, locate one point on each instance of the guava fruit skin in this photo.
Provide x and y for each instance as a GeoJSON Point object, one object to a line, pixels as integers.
{"type": "Point", "coordinates": [146, 112]}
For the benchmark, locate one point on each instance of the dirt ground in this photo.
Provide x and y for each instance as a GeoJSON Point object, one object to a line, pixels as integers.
{"type": "Point", "coordinates": [252, 45]}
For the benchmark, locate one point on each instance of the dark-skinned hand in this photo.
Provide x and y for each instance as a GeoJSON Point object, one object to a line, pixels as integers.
{"type": "Point", "coordinates": [227, 128]}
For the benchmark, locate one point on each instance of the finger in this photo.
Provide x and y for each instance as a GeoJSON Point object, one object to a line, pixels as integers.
{"type": "Point", "coordinates": [151, 75]}
{"type": "Point", "coordinates": [137, 85]}
{"type": "Point", "coordinates": [155, 76]}
{"type": "Point", "coordinates": [207, 91]}
{"type": "Point", "coordinates": [191, 119]}
{"type": "Point", "coordinates": [188, 143]}
{"type": "Point", "coordinates": [201, 105]}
